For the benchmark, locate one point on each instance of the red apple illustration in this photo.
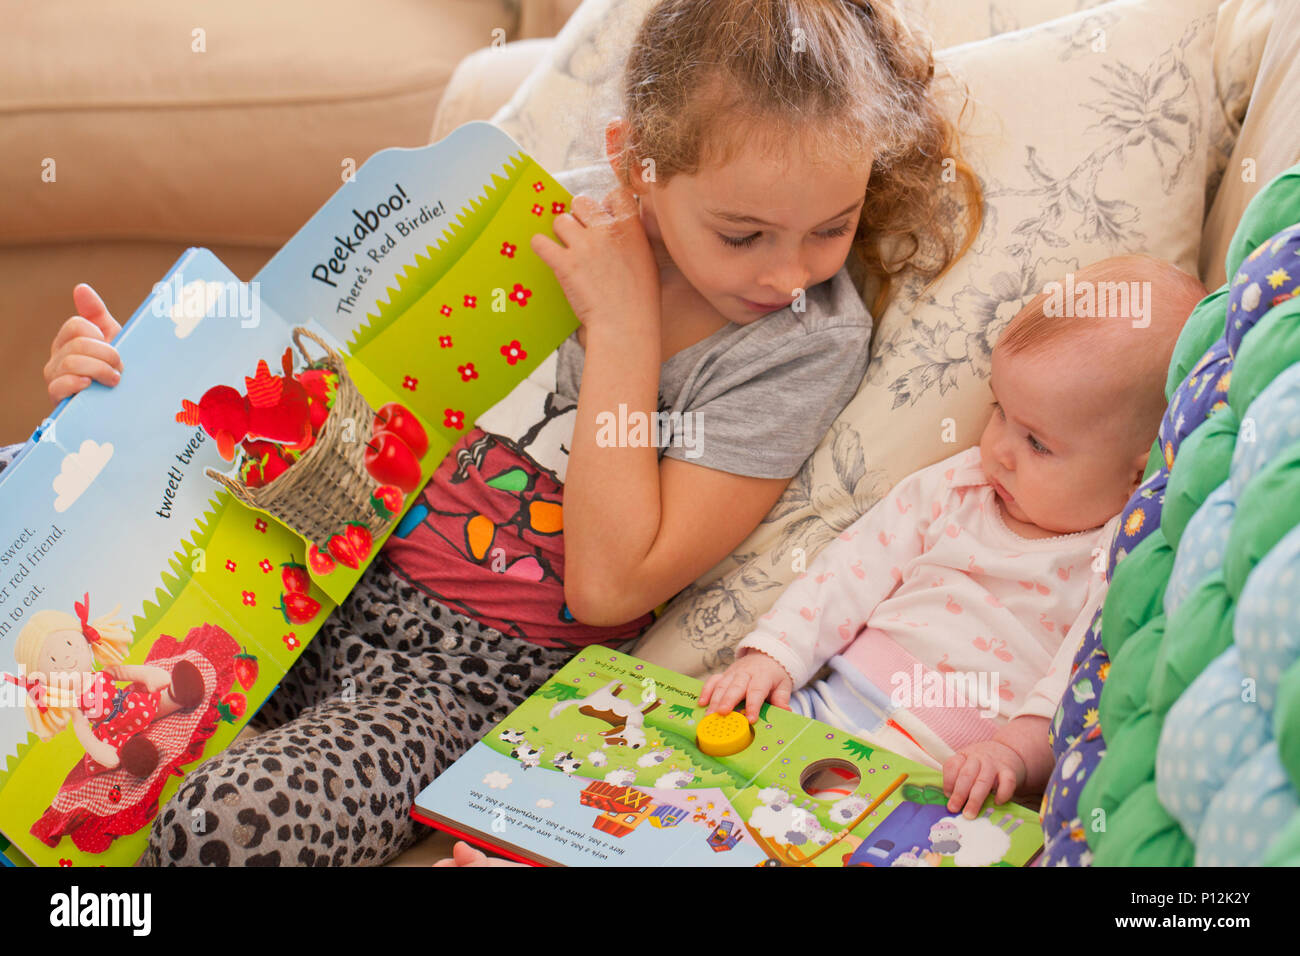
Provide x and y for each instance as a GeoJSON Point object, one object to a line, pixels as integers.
{"type": "Point", "coordinates": [398, 420]}
{"type": "Point", "coordinates": [390, 462]}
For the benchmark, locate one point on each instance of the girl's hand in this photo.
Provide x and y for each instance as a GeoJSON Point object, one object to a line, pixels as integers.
{"type": "Point", "coordinates": [462, 854]}
{"type": "Point", "coordinates": [971, 774]}
{"type": "Point", "coordinates": [80, 352]}
{"type": "Point", "coordinates": [755, 677]}
{"type": "Point", "coordinates": [605, 264]}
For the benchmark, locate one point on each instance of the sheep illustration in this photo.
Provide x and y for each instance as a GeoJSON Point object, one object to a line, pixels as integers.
{"type": "Point", "coordinates": [527, 755]}
{"type": "Point", "coordinates": [566, 762]}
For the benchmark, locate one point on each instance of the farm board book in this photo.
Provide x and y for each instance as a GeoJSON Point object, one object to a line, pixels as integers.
{"type": "Point", "coordinates": [601, 767]}
{"type": "Point", "coordinates": [168, 546]}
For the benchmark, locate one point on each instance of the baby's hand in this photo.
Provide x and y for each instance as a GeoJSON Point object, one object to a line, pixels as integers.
{"type": "Point", "coordinates": [81, 352]}
{"type": "Point", "coordinates": [971, 773]}
{"type": "Point", "coordinates": [462, 854]}
{"type": "Point", "coordinates": [755, 677]}
{"type": "Point", "coordinates": [605, 265]}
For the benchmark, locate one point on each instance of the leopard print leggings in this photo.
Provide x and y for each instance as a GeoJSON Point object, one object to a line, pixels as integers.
{"type": "Point", "coordinates": [393, 688]}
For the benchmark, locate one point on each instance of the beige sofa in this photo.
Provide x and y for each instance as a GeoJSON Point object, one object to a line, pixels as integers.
{"type": "Point", "coordinates": [127, 138]}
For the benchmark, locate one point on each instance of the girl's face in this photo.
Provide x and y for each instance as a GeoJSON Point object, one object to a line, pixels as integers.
{"type": "Point", "coordinates": [753, 233]}
{"type": "Point", "coordinates": [64, 652]}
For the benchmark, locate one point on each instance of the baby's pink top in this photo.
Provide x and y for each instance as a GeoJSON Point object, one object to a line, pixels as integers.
{"type": "Point", "coordinates": [933, 575]}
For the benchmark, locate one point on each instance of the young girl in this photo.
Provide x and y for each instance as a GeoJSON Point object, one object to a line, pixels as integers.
{"type": "Point", "coordinates": [762, 141]}
{"type": "Point", "coordinates": [69, 665]}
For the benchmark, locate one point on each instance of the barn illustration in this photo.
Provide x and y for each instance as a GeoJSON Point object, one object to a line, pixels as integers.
{"type": "Point", "coordinates": [622, 808]}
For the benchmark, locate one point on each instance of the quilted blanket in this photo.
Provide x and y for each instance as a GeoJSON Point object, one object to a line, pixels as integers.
{"type": "Point", "coordinates": [1178, 739]}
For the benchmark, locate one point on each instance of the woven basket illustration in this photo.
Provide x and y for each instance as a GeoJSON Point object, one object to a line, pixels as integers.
{"type": "Point", "coordinates": [328, 486]}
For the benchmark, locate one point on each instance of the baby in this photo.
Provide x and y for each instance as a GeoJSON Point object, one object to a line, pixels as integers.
{"type": "Point", "coordinates": [951, 611]}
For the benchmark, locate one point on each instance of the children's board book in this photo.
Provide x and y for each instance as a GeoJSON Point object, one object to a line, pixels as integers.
{"type": "Point", "coordinates": [169, 545]}
{"type": "Point", "coordinates": [614, 763]}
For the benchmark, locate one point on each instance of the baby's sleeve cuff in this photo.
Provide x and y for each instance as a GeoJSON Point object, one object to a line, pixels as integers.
{"type": "Point", "coordinates": [781, 653]}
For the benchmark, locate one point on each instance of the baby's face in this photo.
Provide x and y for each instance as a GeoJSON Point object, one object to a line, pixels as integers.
{"type": "Point", "coordinates": [1060, 456]}
{"type": "Point", "coordinates": [748, 235]}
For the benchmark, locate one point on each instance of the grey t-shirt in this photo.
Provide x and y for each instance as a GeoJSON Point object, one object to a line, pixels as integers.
{"type": "Point", "coordinates": [755, 399]}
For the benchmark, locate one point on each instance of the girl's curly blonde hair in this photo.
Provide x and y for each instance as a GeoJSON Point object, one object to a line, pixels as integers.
{"type": "Point", "coordinates": [852, 72]}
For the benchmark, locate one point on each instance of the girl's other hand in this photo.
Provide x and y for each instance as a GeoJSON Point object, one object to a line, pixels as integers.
{"type": "Point", "coordinates": [80, 353]}
{"type": "Point", "coordinates": [754, 678]}
{"type": "Point", "coordinates": [462, 854]}
{"type": "Point", "coordinates": [605, 265]}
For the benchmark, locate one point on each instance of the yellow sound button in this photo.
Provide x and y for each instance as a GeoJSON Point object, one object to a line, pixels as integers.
{"type": "Point", "coordinates": [721, 735]}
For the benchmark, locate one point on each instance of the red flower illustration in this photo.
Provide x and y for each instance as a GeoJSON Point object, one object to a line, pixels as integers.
{"type": "Point", "coordinates": [519, 294]}
{"type": "Point", "coordinates": [250, 599]}
{"type": "Point", "coordinates": [65, 862]}
{"type": "Point", "coordinates": [444, 341]}
{"type": "Point", "coordinates": [557, 207]}
{"type": "Point", "coordinates": [508, 249]}
{"type": "Point", "coordinates": [514, 352]}
{"type": "Point", "coordinates": [471, 301]}
{"type": "Point", "coordinates": [453, 418]}
{"type": "Point", "coordinates": [260, 525]}
{"type": "Point", "coordinates": [266, 566]}
{"type": "Point", "coordinates": [538, 186]}
{"type": "Point", "coordinates": [467, 371]}
{"type": "Point", "coordinates": [409, 383]}
{"type": "Point", "coordinates": [445, 310]}
{"type": "Point", "coordinates": [291, 641]}
{"type": "Point", "coordinates": [230, 565]}
{"type": "Point", "coordinates": [538, 209]}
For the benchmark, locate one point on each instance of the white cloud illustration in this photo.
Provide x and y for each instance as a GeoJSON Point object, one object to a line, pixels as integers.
{"type": "Point", "coordinates": [497, 780]}
{"type": "Point", "coordinates": [78, 470]}
{"type": "Point", "coordinates": [545, 803]}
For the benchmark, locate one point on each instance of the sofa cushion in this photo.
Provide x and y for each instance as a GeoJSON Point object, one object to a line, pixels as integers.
{"type": "Point", "coordinates": [1269, 141]}
{"type": "Point", "coordinates": [228, 125]}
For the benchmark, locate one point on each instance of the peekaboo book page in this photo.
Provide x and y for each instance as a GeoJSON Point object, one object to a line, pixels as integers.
{"type": "Point", "coordinates": [418, 279]}
{"type": "Point", "coordinates": [603, 767]}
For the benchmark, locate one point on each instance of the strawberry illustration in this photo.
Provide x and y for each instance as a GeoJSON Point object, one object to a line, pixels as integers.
{"type": "Point", "coordinates": [386, 500]}
{"type": "Point", "coordinates": [297, 607]}
{"type": "Point", "coordinates": [274, 466]}
{"type": "Point", "coordinates": [343, 551]}
{"type": "Point", "coordinates": [295, 576]}
{"type": "Point", "coordinates": [232, 707]}
{"type": "Point", "coordinates": [246, 669]}
{"type": "Point", "coordinates": [320, 561]}
{"type": "Point", "coordinates": [359, 537]}
{"type": "Point", "coordinates": [253, 476]}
